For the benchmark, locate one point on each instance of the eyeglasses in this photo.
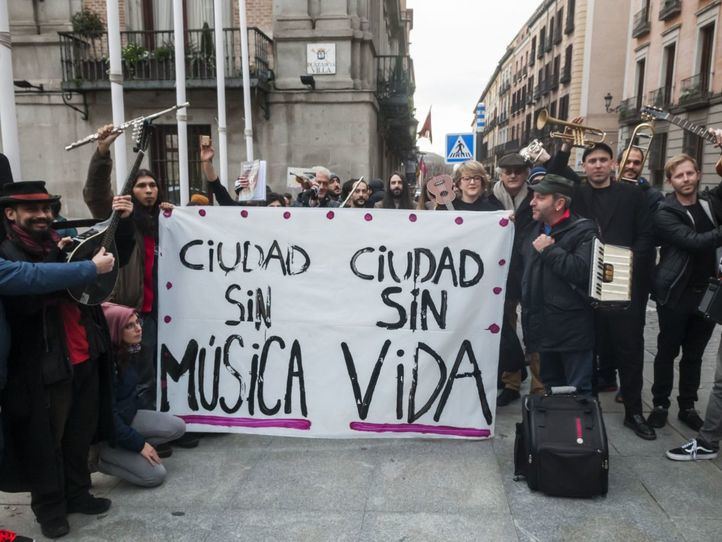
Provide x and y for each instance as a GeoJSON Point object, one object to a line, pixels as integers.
{"type": "Point", "coordinates": [475, 178]}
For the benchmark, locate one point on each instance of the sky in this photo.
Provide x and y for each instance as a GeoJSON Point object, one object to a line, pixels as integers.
{"type": "Point", "coordinates": [456, 46]}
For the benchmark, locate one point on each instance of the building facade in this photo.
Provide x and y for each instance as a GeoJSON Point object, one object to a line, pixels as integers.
{"type": "Point", "coordinates": [356, 119]}
{"type": "Point", "coordinates": [565, 59]}
{"type": "Point", "coordinates": [674, 63]}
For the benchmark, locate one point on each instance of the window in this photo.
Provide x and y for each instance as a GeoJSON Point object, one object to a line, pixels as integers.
{"type": "Point", "coordinates": [555, 76]}
{"type": "Point", "coordinates": [639, 89]}
{"type": "Point", "coordinates": [164, 158]}
{"type": "Point", "coordinates": [553, 109]}
{"type": "Point", "coordinates": [693, 145]}
{"type": "Point", "coordinates": [668, 74]}
{"type": "Point", "coordinates": [533, 51]}
{"type": "Point", "coordinates": [706, 42]}
{"type": "Point", "coordinates": [564, 107]}
{"type": "Point", "coordinates": [158, 14]}
{"type": "Point", "coordinates": [569, 26]}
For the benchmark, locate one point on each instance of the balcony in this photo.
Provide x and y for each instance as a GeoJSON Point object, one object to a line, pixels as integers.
{"type": "Point", "coordinates": [148, 59]}
{"type": "Point", "coordinates": [532, 58]}
{"type": "Point", "coordinates": [558, 34]}
{"type": "Point", "coordinates": [629, 111]}
{"type": "Point", "coordinates": [660, 97]}
{"type": "Point", "coordinates": [694, 91]}
{"type": "Point", "coordinates": [499, 150]}
{"type": "Point", "coordinates": [566, 76]}
{"type": "Point", "coordinates": [641, 25]}
{"type": "Point", "coordinates": [530, 98]}
{"type": "Point", "coordinates": [548, 46]}
{"type": "Point", "coordinates": [511, 146]}
{"type": "Point", "coordinates": [395, 86]}
{"type": "Point", "coordinates": [669, 9]}
{"type": "Point", "coordinates": [504, 87]}
{"type": "Point", "coordinates": [503, 118]}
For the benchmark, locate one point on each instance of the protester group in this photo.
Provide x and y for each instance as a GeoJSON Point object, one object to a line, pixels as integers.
{"type": "Point", "coordinates": [79, 381]}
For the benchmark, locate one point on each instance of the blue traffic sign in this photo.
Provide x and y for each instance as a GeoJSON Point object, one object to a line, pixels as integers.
{"type": "Point", "coordinates": [459, 148]}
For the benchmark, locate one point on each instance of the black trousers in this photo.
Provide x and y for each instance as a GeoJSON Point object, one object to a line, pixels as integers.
{"type": "Point", "coordinates": [146, 365]}
{"type": "Point", "coordinates": [680, 327]}
{"type": "Point", "coordinates": [619, 344]}
{"type": "Point", "coordinates": [73, 408]}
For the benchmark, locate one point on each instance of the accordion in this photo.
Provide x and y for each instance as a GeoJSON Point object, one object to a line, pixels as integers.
{"type": "Point", "coordinates": [610, 281]}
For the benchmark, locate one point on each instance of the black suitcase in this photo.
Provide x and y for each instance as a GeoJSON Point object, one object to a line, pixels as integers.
{"type": "Point", "coordinates": [561, 445]}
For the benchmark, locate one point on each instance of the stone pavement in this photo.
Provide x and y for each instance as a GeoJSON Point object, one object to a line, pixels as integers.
{"type": "Point", "coordinates": [236, 487]}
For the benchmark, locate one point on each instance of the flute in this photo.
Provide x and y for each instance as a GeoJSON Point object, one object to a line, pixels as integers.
{"type": "Point", "coordinates": [133, 123]}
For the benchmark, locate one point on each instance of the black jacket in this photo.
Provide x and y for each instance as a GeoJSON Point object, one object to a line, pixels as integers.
{"type": "Point", "coordinates": [630, 224]}
{"type": "Point", "coordinates": [559, 165]}
{"type": "Point", "coordinates": [675, 231]}
{"type": "Point", "coordinates": [523, 225]}
{"type": "Point", "coordinates": [557, 316]}
{"type": "Point", "coordinates": [125, 407]}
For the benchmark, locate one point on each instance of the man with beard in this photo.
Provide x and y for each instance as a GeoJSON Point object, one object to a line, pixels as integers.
{"type": "Point", "coordinates": [359, 191]}
{"type": "Point", "coordinates": [631, 171]}
{"type": "Point", "coordinates": [621, 213]}
{"type": "Point", "coordinates": [58, 395]}
{"type": "Point", "coordinates": [396, 194]}
{"type": "Point", "coordinates": [687, 228]}
{"type": "Point", "coordinates": [137, 281]}
{"type": "Point", "coordinates": [334, 187]}
{"type": "Point", "coordinates": [318, 195]}
{"type": "Point", "coordinates": [558, 322]}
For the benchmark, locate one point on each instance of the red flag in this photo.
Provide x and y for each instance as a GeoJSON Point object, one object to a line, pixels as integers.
{"type": "Point", "coordinates": [426, 128]}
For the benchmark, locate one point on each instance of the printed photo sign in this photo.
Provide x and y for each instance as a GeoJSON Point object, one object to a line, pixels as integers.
{"type": "Point", "coordinates": [332, 322]}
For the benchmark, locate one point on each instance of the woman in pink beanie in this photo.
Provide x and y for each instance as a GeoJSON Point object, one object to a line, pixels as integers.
{"type": "Point", "coordinates": [133, 456]}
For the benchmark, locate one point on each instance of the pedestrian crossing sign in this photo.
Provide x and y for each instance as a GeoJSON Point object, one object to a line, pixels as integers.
{"type": "Point", "coordinates": [459, 148]}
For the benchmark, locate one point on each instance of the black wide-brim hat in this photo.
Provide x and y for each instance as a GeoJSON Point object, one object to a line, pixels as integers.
{"type": "Point", "coordinates": [26, 192]}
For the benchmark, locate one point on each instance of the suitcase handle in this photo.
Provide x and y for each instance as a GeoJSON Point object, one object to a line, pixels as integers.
{"type": "Point", "coordinates": [561, 390]}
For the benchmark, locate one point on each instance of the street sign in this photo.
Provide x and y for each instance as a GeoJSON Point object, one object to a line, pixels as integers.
{"type": "Point", "coordinates": [459, 148]}
{"type": "Point", "coordinates": [480, 117]}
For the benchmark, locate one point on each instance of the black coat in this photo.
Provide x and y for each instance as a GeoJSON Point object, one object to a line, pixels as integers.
{"type": "Point", "coordinates": [630, 225]}
{"type": "Point", "coordinates": [675, 230]}
{"type": "Point", "coordinates": [37, 358]}
{"type": "Point", "coordinates": [523, 225]}
{"type": "Point", "coordinates": [557, 316]}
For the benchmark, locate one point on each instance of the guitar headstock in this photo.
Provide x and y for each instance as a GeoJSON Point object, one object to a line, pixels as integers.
{"type": "Point", "coordinates": [650, 112]}
{"type": "Point", "coordinates": [141, 135]}
{"type": "Point", "coordinates": [442, 188]}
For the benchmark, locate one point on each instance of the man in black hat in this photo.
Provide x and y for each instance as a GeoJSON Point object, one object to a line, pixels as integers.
{"type": "Point", "coordinates": [622, 215]}
{"type": "Point", "coordinates": [557, 319]}
{"type": "Point", "coordinates": [58, 394]}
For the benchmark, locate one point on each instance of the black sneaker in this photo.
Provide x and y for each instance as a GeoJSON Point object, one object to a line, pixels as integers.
{"type": "Point", "coordinates": [658, 417]}
{"type": "Point", "coordinates": [163, 450]}
{"type": "Point", "coordinates": [693, 450]}
{"type": "Point", "coordinates": [188, 440]}
{"type": "Point", "coordinates": [88, 504]}
{"type": "Point", "coordinates": [640, 427]}
{"type": "Point", "coordinates": [507, 396]}
{"type": "Point", "coordinates": [55, 528]}
{"type": "Point", "coordinates": [690, 417]}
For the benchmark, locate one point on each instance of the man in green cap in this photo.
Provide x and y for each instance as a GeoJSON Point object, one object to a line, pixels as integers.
{"type": "Point", "coordinates": [558, 320]}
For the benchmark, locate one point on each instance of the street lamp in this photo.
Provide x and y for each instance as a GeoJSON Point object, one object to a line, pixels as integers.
{"type": "Point", "coordinates": [608, 102]}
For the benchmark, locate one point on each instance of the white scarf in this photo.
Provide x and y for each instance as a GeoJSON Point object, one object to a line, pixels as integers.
{"type": "Point", "coordinates": [509, 203]}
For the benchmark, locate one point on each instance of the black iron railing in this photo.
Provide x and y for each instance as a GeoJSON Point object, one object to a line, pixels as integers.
{"type": "Point", "coordinates": [149, 56]}
{"type": "Point", "coordinates": [694, 89]}
{"type": "Point", "coordinates": [641, 25]}
{"type": "Point", "coordinates": [669, 9]}
{"type": "Point", "coordinates": [395, 77]}
{"type": "Point", "coordinates": [660, 97]}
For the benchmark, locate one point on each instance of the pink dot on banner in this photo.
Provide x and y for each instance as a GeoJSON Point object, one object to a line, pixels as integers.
{"type": "Point", "coordinates": [202, 212]}
{"type": "Point", "coordinates": [412, 217]}
{"type": "Point", "coordinates": [494, 328]}
{"type": "Point", "coordinates": [168, 285]}
{"type": "Point", "coordinates": [459, 220]}
{"type": "Point", "coordinates": [502, 262]}
{"type": "Point", "coordinates": [497, 290]}
{"type": "Point", "coordinates": [504, 222]}
{"type": "Point", "coordinates": [167, 213]}
{"type": "Point", "coordinates": [244, 213]}
{"type": "Point", "coordinates": [167, 319]}
{"type": "Point", "coordinates": [368, 217]}
{"type": "Point", "coordinates": [330, 215]}
{"type": "Point", "coordinates": [287, 215]}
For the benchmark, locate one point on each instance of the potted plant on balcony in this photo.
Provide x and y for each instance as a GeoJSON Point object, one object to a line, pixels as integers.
{"type": "Point", "coordinates": [161, 62]}
{"type": "Point", "coordinates": [88, 27]}
{"type": "Point", "coordinates": [134, 58]}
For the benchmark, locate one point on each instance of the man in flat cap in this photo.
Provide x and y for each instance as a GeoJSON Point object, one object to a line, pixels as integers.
{"type": "Point", "coordinates": [557, 319]}
{"type": "Point", "coordinates": [512, 191]}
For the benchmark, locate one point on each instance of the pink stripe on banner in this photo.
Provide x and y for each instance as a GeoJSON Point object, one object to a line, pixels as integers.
{"type": "Point", "coordinates": [286, 423]}
{"type": "Point", "coordinates": [419, 428]}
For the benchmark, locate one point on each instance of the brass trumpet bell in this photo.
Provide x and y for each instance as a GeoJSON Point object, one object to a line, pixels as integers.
{"type": "Point", "coordinates": [577, 135]}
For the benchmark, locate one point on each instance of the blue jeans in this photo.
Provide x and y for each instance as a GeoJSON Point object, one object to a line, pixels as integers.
{"type": "Point", "coordinates": [568, 369]}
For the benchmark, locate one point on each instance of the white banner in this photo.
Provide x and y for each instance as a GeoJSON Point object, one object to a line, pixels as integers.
{"type": "Point", "coordinates": [331, 322]}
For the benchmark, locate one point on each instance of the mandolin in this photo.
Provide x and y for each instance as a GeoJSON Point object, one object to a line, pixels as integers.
{"type": "Point", "coordinates": [701, 131]}
{"type": "Point", "coordinates": [102, 235]}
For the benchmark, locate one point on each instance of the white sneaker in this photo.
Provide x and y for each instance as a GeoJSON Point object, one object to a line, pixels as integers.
{"type": "Point", "coordinates": [691, 451]}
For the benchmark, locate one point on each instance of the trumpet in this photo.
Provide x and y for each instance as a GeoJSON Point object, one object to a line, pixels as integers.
{"type": "Point", "coordinates": [641, 139]}
{"type": "Point", "coordinates": [532, 151]}
{"type": "Point", "coordinates": [135, 124]}
{"type": "Point", "coordinates": [576, 135]}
